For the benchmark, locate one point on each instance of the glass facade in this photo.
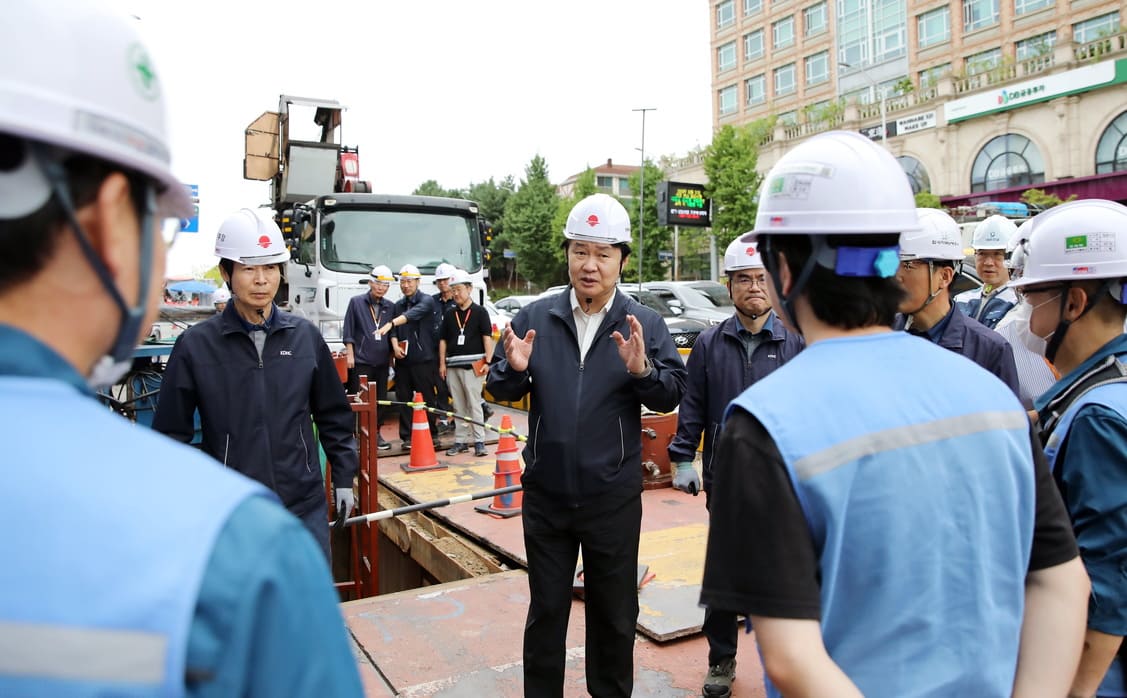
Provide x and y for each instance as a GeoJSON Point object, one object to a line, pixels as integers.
{"type": "Point", "coordinates": [1007, 161]}
{"type": "Point", "coordinates": [934, 27]}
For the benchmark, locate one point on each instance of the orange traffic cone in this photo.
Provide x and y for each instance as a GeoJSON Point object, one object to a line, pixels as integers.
{"type": "Point", "coordinates": [506, 474]}
{"type": "Point", "coordinates": [422, 448]}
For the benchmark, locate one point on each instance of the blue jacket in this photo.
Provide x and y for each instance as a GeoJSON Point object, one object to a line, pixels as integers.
{"type": "Point", "coordinates": [719, 371]}
{"type": "Point", "coordinates": [871, 470]}
{"type": "Point", "coordinates": [419, 330]}
{"type": "Point", "coordinates": [208, 573]}
{"type": "Point", "coordinates": [440, 309]}
{"type": "Point", "coordinates": [255, 414]}
{"type": "Point", "coordinates": [586, 416]}
{"type": "Point", "coordinates": [363, 316]}
{"type": "Point", "coordinates": [972, 339]}
{"type": "Point", "coordinates": [990, 313]}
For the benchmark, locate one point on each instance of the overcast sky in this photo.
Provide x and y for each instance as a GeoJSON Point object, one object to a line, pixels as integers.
{"type": "Point", "coordinates": [447, 90]}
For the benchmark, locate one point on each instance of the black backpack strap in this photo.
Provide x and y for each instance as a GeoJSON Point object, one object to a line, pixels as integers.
{"type": "Point", "coordinates": [1110, 370]}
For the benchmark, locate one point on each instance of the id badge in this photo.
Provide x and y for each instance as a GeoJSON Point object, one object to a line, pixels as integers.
{"type": "Point", "coordinates": [377, 336]}
{"type": "Point", "coordinates": [461, 339]}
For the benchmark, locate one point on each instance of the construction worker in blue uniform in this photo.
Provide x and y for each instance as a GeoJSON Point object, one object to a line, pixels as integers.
{"type": "Point", "coordinates": [725, 360]}
{"type": "Point", "coordinates": [880, 511]}
{"type": "Point", "coordinates": [590, 358]}
{"type": "Point", "coordinates": [990, 302]}
{"type": "Point", "coordinates": [260, 379]}
{"type": "Point", "coordinates": [1073, 283]}
{"type": "Point", "coordinates": [132, 565]}
{"type": "Point", "coordinates": [927, 268]}
{"type": "Point", "coordinates": [368, 352]}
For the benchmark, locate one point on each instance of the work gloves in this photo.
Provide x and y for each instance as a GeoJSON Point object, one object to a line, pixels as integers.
{"type": "Point", "coordinates": [685, 478]}
{"type": "Point", "coordinates": [344, 499]}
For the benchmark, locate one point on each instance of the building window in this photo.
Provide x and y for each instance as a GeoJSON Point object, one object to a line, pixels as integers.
{"type": "Point", "coordinates": [1111, 151]}
{"type": "Point", "coordinates": [934, 27]}
{"type": "Point", "coordinates": [814, 19]}
{"type": "Point", "coordinates": [917, 173]}
{"type": "Point", "coordinates": [783, 32]}
{"type": "Point", "coordinates": [725, 13]}
{"type": "Point", "coordinates": [624, 186]}
{"type": "Point", "coordinates": [818, 68]}
{"type": "Point", "coordinates": [604, 182]}
{"type": "Point", "coordinates": [753, 45]}
{"type": "Point", "coordinates": [929, 77]}
{"type": "Point", "coordinates": [978, 14]}
{"type": "Point", "coordinates": [788, 118]}
{"type": "Point", "coordinates": [1095, 28]}
{"type": "Point", "coordinates": [852, 32]}
{"type": "Point", "coordinates": [983, 62]}
{"type": "Point", "coordinates": [1007, 161]}
{"type": "Point", "coordinates": [726, 57]}
{"type": "Point", "coordinates": [890, 29]}
{"type": "Point", "coordinates": [1022, 7]}
{"type": "Point", "coordinates": [726, 100]}
{"type": "Point", "coordinates": [752, 7]}
{"type": "Point", "coordinates": [784, 80]}
{"type": "Point", "coordinates": [756, 89]}
{"type": "Point", "coordinates": [1035, 46]}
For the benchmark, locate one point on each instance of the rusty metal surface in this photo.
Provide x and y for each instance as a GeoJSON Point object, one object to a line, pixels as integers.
{"type": "Point", "coordinates": [463, 639]}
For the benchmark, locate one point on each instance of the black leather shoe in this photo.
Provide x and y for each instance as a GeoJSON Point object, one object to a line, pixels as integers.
{"type": "Point", "coordinates": [456, 449]}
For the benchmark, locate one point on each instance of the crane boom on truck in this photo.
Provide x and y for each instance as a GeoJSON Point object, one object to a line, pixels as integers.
{"type": "Point", "coordinates": [337, 229]}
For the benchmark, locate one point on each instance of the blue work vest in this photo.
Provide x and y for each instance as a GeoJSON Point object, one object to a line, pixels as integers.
{"type": "Point", "coordinates": [109, 528]}
{"type": "Point", "coordinates": [920, 503]}
{"type": "Point", "coordinates": [1114, 397]}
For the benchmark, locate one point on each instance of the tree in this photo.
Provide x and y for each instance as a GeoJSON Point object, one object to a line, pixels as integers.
{"type": "Point", "coordinates": [733, 182]}
{"type": "Point", "coordinates": [926, 199]}
{"type": "Point", "coordinates": [528, 220]}
{"type": "Point", "coordinates": [433, 188]}
{"type": "Point", "coordinates": [656, 238]}
{"type": "Point", "coordinates": [1038, 200]}
{"type": "Point", "coordinates": [584, 187]}
{"type": "Point", "coordinates": [491, 198]}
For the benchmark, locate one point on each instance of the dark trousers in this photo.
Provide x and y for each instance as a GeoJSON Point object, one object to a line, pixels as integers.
{"type": "Point", "coordinates": [608, 535]}
{"type": "Point", "coordinates": [410, 379]}
{"type": "Point", "coordinates": [317, 521]}
{"type": "Point", "coordinates": [377, 375]}
{"type": "Point", "coordinates": [720, 628]}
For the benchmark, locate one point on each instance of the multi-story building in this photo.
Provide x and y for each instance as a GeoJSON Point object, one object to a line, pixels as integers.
{"type": "Point", "coordinates": [609, 179]}
{"type": "Point", "coordinates": [979, 99]}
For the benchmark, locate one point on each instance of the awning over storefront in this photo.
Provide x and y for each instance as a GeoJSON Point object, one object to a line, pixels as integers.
{"type": "Point", "coordinates": [1112, 186]}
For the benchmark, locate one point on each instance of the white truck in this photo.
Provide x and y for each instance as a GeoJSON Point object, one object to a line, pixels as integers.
{"type": "Point", "coordinates": [337, 230]}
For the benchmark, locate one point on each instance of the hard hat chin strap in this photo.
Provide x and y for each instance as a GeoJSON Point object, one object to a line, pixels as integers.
{"type": "Point", "coordinates": [131, 317]}
{"type": "Point", "coordinates": [770, 262]}
{"type": "Point", "coordinates": [1063, 324]}
{"type": "Point", "coordinates": [931, 295]}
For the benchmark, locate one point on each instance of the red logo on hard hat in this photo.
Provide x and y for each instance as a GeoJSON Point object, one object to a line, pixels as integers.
{"type": "Point", "coordinates": [750, 251]}
{"type": "Point", "coordinates": [592, 220]}
{"type": "Point", "coordinates": [264, 242]}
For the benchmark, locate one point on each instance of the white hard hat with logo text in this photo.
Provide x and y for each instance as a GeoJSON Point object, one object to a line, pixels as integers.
{"type": "Point", "coordinates": [599, 218]}
{"type": "Point", "coordinates": [742, 255]}
{"type": "Point", "coordinates": [247, 238]}
{"type": "Point", "coordinates": [1085, 239]}
{"type": "Point", "coordinates": [938, 238]}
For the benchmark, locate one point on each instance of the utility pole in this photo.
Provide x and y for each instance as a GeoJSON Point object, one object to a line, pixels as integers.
{"type": "Point", "coordinates": [642, 197]}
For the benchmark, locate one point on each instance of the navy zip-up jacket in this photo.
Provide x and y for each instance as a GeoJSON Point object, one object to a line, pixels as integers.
{"type": "Point", "coordinates": [585, 421]}
{"type": "Point", "coordinates": [982, 345]}
{"type": "Point", "coordinates": [422, 344]}
{"type": "Point", "coordinates": [257, 415]}
{"type": "Point", "coordinates": [719, 370]}
{"type": "Point", "coordinates": [361, 320]}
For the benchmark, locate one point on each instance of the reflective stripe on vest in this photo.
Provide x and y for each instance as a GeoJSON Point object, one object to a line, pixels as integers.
{"type": "Point", "coordinates": [82, 654]}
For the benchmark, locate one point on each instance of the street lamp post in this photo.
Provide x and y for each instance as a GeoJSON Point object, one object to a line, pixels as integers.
{"type": "Point", "coordinates": [642, 197]}
{"type": "Point", "coordinates": [876, 89]}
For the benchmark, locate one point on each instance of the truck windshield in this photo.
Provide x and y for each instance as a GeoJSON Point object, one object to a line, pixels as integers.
{"type": "Point", "coordinates": [355, 240]}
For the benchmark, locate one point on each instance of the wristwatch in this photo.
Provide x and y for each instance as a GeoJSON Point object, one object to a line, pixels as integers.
{"type": "Point", "coordinates": [647, 368]}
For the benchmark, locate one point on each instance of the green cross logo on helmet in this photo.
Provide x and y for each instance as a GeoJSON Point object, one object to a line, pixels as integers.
{"type": "Point", "coordinates": [142, 73]}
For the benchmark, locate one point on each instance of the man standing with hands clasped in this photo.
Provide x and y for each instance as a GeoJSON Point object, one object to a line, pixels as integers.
{"type": "Point", "coordinates": [590, 358]}
{"type": "Point", "coordinates": [464, 345]}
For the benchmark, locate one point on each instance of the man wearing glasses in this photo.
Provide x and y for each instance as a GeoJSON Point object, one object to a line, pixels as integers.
{"type": "Point", "coordinates": [725, 360]}
{"type": "Point", "coordinates": [369, 352]}
{"type": "Point", "coordinates": [927, 267]}
{"type": "Point", "coordinates": [990, 302]}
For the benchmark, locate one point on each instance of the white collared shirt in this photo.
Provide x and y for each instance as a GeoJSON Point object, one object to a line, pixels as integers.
{"type": "Point", "coordinates": [587, 326]}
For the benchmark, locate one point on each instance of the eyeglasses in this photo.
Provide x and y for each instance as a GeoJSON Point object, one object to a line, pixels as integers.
{"type": "Point", "coordinates": [910, 264]}
{"type": "Point", "coordinates": [1024, 293]}
{"type": "Point", "coordinates": [750, 281]}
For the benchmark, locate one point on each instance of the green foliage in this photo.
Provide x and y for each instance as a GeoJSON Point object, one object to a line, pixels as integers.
{"type": "Point", "coordinates": [1039, 200]}
{"type": "Point", "coordinates": [491, 198]}
{"type": "Point", "coordinates": [433, 188]}
{"type": "Point", "coordinates": [903, 86]}
{"type": "Point", "coordinates": [730, 162]}
{"type": "Point", "coordinates": [584, 187]}
{"type": "Point", "coordinates": [926, 199]}
{"type": "Point", "coordinates": [528, 223]}
{"type": "Point", "coordinates": [655, 238]}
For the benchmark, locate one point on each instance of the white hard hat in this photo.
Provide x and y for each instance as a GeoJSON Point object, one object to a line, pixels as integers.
{"type": "Point", "coordinates": [993, 233]}
{"type": "Point", "coordinates": [598, 218]}
{"type": "Point", "coordinates": [410, 271]}
{"type": "Point", "coordinates": [221, 295]}
{"type": "Point", "coordinates": [461, 276]}
{"type": "Point", "coordinates": [247, 238]}
{"type": "Point", "coordinates": [938, 238]}
{"type": "Point", "coordinates": [444, 270]}
{"type": "Point", "coordinates": [835, 183]}
{"type": "Point", "coordinates": [1017, 245]}
{"type": "Point", "coordinates": [75, 75]}
{"type": "Point", "coordinates": [742, 255]}
{"type": "Point", "coordinates": [382, 273]}
{"type": "Point", "coordinates": [1085, 239]}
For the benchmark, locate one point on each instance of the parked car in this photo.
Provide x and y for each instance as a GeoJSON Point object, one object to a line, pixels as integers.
{"type": "Point", "coordinates": [498, 319]}
{"type": "Point", "coordinates": [706, 301]}
{"type": "Point", "coordinates": [510, 305]}
{"type": "Point", "coordinates": [683, 330]}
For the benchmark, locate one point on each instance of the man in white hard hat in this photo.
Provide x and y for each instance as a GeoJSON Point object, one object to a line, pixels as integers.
{"type": "Point", "coordinates": [927, 268]}
{"type": "Point", "coordinates": [990, 302]}
{"type": "Point", "coordinates": [465, 346]}
{"type": "Point", "coordinates": [255, 374]}
{"type": "Point", "coordinates": [443, 303]}
{"type": "Point", "coordinates": [1074, 285]}
{"type": "Point", "coordinates": [220, 299]}
{"type": "Point", "coordinates": [132, 565]}
{"type": "Point", "coordinates": [590, 358]}
{"type": "Point", "coordinates": [368, 351]}
{"type": "Point", "coordinates": [415, 348]}
{"type": "Point", "coordinates": [878, 498]}
{"type": "Point", "coordinates": [725, 360]}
